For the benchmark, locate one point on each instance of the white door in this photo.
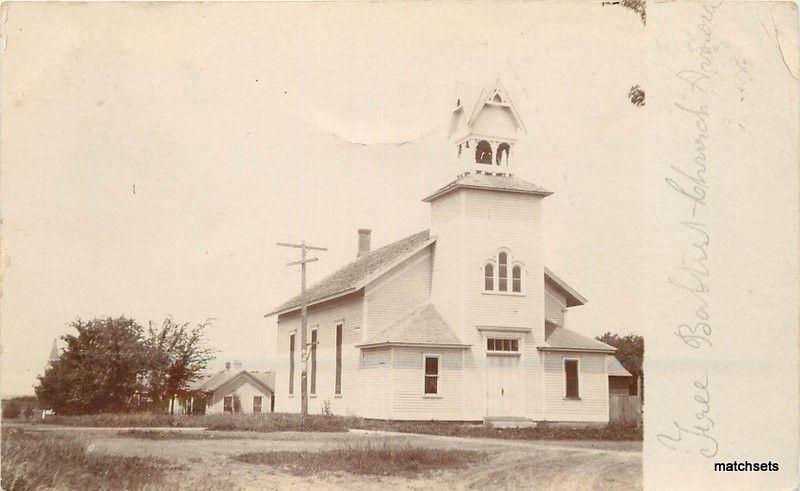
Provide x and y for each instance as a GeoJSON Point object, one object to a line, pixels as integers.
{"type": "Point", "coordinates": [504, 386]}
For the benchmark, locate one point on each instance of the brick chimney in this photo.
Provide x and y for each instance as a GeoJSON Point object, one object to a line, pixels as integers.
{"type": "Point", "coordinates": [227, 365]}
{"type": "Point", "coordinates": [363, 241]}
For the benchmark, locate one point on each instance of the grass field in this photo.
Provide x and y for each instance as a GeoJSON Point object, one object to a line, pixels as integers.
{"type": "Point", "coordinates": [34, 460]}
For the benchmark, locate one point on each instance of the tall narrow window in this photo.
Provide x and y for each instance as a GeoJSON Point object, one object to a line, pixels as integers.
{"type": "Point", "coordinates": [431, 374]}
{"type": "Point", "coordinates": [488, 273]}
{"type": "Point", "coordinates": [313, 361]}
{"type": "Point", "coordinates": [571, 375]}
{"type": "Point", "coordinates": [227, 404]}
{"type": "Point", "coordinates": [256, 404]}
{"type": "Point", "coordinates": [338, 359]}
{"type": "Point", "coordinates": [516, 279]}
{"type": "Point", "coordinates": [502, 154]}
{"type": "Point", "coordinates": [502, 269]}
{"type": "Point", "coordinates": [291, 364]}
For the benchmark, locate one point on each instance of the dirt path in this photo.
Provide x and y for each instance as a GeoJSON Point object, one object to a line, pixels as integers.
{"type": "Point", "coordinates": [207, 463]}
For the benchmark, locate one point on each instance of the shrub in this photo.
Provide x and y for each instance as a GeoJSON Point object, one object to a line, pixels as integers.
{"type": "Point", "coordinates": [11, 409]}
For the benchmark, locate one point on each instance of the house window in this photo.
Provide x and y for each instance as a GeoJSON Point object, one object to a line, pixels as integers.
{"type": "Point", "coordinates": [516, 279]}
{"type": "Point", "coordinates": [291, 364]}
{"type": "Point", "coordinates": [313, 361]}
{"type": "Point", "coordinates": [227, 404]}
{"type": "Point", "coordinates": [571, 376]}
{"type": "Point", "coordinates": [488, 273]}
{"type": "Point", "coordinates": [338, 359]}
{"type": "Point", "coordinates": [256, 404]}
{"type": "Point", "coordinates": [431, 374]}
{"type": "Point", "coordinates": [502, 283]}
{"type": "Point", "coordinates": [494, 344]}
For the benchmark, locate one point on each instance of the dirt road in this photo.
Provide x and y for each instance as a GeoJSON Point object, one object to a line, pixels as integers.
{"type": "Point", "coordinates": [207, 463]}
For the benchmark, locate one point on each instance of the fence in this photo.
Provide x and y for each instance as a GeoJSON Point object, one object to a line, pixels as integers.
{"type": "Point", "coordinates": [624, 410]}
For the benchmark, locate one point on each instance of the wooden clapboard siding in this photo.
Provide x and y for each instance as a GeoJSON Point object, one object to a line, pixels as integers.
{"type": "Point", "coordinates": [554, 304]}
{"type": "Point", "coordinates": [593, 387]}
{"type": "Point", "coordinates": [410, 400]}
{"type": "Point", "coordinates": [495, 220]}
{"type": "Point", "coordinates": [348, 309]}
{"type": "Point", "coordinates": [401, 290]}
{"type": "Point", "coordinates": [376, 386]}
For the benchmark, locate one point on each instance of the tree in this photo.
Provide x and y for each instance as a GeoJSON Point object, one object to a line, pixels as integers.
{"type": "Point", "coordinates": [176, 358]}
{"type": "Point", "coordinates": [630, 350]}
{"type": "Point", "coordinates": [99, 370]}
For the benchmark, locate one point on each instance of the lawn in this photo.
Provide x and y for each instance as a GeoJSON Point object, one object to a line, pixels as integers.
{"type": "Point", "coordinates": [274, 422]}
{"type": "Point", "coordinates": [35, 460]}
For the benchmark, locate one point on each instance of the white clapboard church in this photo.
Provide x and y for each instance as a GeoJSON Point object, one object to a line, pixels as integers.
{"type": "Point", "coordinates": [462, 321]}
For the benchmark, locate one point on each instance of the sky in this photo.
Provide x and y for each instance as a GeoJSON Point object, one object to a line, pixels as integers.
{"type": "Point", "coordinates": [152, 155]}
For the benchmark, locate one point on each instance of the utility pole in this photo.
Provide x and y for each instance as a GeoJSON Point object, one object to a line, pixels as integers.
{"type": "Point", "coordinates": [303, 318]}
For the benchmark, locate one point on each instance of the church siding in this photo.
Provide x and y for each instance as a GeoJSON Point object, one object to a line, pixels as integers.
{"type": "Point", "coordinates": [593, 388]}
{"type": "Point", "coordinates": [402, 290]}
{"type": "Point", "coordinates": [376, 387]}
{"type": "Point", "coordinates": [409, 399]}
{"type": "Point", "coordinates": [555, 302]}
{"type": "Point", "coordinates": [347, 309]}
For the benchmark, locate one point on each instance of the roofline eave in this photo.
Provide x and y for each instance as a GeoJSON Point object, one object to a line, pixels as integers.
{"type": "Point", "coordinates": [579, 350]}
{"type": "Point", "coordinates": [412, 345]}
{"type": "Point", "coordinates": [448, 189]}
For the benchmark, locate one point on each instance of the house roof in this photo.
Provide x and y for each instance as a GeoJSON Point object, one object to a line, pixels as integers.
{"type": "Point", "coordinates": [561, 339]}
{"type": "Point", "coordinates": [214, 382]}
{"type": "Point", "coordinates": [422, 326]}
{"type": "Point", "coordinates": [490, 183]}
{"type": "Point", "coordinates": [573, 297]}
{"type": "Point", "coordinates": [615, 368]}
{"type": "Point", "coordinates": [355, 275]}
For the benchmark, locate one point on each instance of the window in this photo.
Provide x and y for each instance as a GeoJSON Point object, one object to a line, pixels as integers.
{"type": "Point", "coordinates": [227, 404]}
{"type": "Point", "coordinates": [502, 283]}
{"type": "Point", "coordinates": [502, 154]}
{"type": "Point", "coordinates": [338, 359]}
{"type": "Point", "coordinates": [291, 364]}
{"type": "Point", "coordinates": [488, 273]}
{"type": "Point", "coordinates": [256, 404]}
{"type": "Point", "coordinates": [571, 375]}
{"type": "Point", "coordinates": [431, 374]}
{"type": "Point", "coordinates": [313, 361]}
{"type": "Point", "coordinates": [483, 153]}
{"type": "Point", "coordinates": [494, 344]}
{"type": "Point", "coordinates": [496, 274]}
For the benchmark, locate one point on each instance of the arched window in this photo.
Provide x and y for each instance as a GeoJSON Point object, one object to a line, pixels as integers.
{"type": "Point", "coordinates": [502, 269]}
{"type": "Point", "coordinates": [488, 274]}
{"type": "Point", "coordinates": [502, 154]}
{"type": "Point", "coordinates": [483, 153]}
{"type": "Point", "coordinates": [516, 279]}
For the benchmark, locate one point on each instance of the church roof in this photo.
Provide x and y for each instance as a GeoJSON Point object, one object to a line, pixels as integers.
{"type": "Point", "coordinates": [469, 102]}
{"type": "Point", "coordinates": [561, 339]}
{"type": "Point", "coordinates": [353, 276]}
{"type": "Point", "coordinates": [491, 183]}
{"type": "Point", "coordinates": [422, 327]}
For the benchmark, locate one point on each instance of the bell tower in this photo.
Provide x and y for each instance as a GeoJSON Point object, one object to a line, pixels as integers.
{"type": "Point", "coordinates": [484, 131]}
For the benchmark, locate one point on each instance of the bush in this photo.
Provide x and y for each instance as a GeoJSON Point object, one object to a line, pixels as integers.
{"type": "Point", "coordinates": [11, 409]}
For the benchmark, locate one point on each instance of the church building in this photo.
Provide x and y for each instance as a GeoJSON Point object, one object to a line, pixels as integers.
{"type": "Point", "coordinates": [462, 321]}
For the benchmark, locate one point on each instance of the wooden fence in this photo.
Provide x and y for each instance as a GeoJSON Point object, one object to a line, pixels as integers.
{"type": "Point", "coordinates": [624, 410]}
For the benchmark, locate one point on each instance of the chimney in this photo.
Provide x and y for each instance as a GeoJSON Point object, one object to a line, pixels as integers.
{"type": "Point", "coordinates": [227, 365]}
{"type": "Point", "coordinates": [237, 364]}
{"type": "Point", "coordinates": [363, 241]}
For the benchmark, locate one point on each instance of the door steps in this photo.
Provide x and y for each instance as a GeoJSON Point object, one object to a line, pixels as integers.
{"type": "Point", "coordinates": [509, 422]}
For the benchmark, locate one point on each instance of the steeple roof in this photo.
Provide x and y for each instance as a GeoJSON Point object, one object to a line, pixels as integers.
{"type": "Point", "coordinates": [470, 102]}
{"type": "Point", "coordinates": [492, 183]}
